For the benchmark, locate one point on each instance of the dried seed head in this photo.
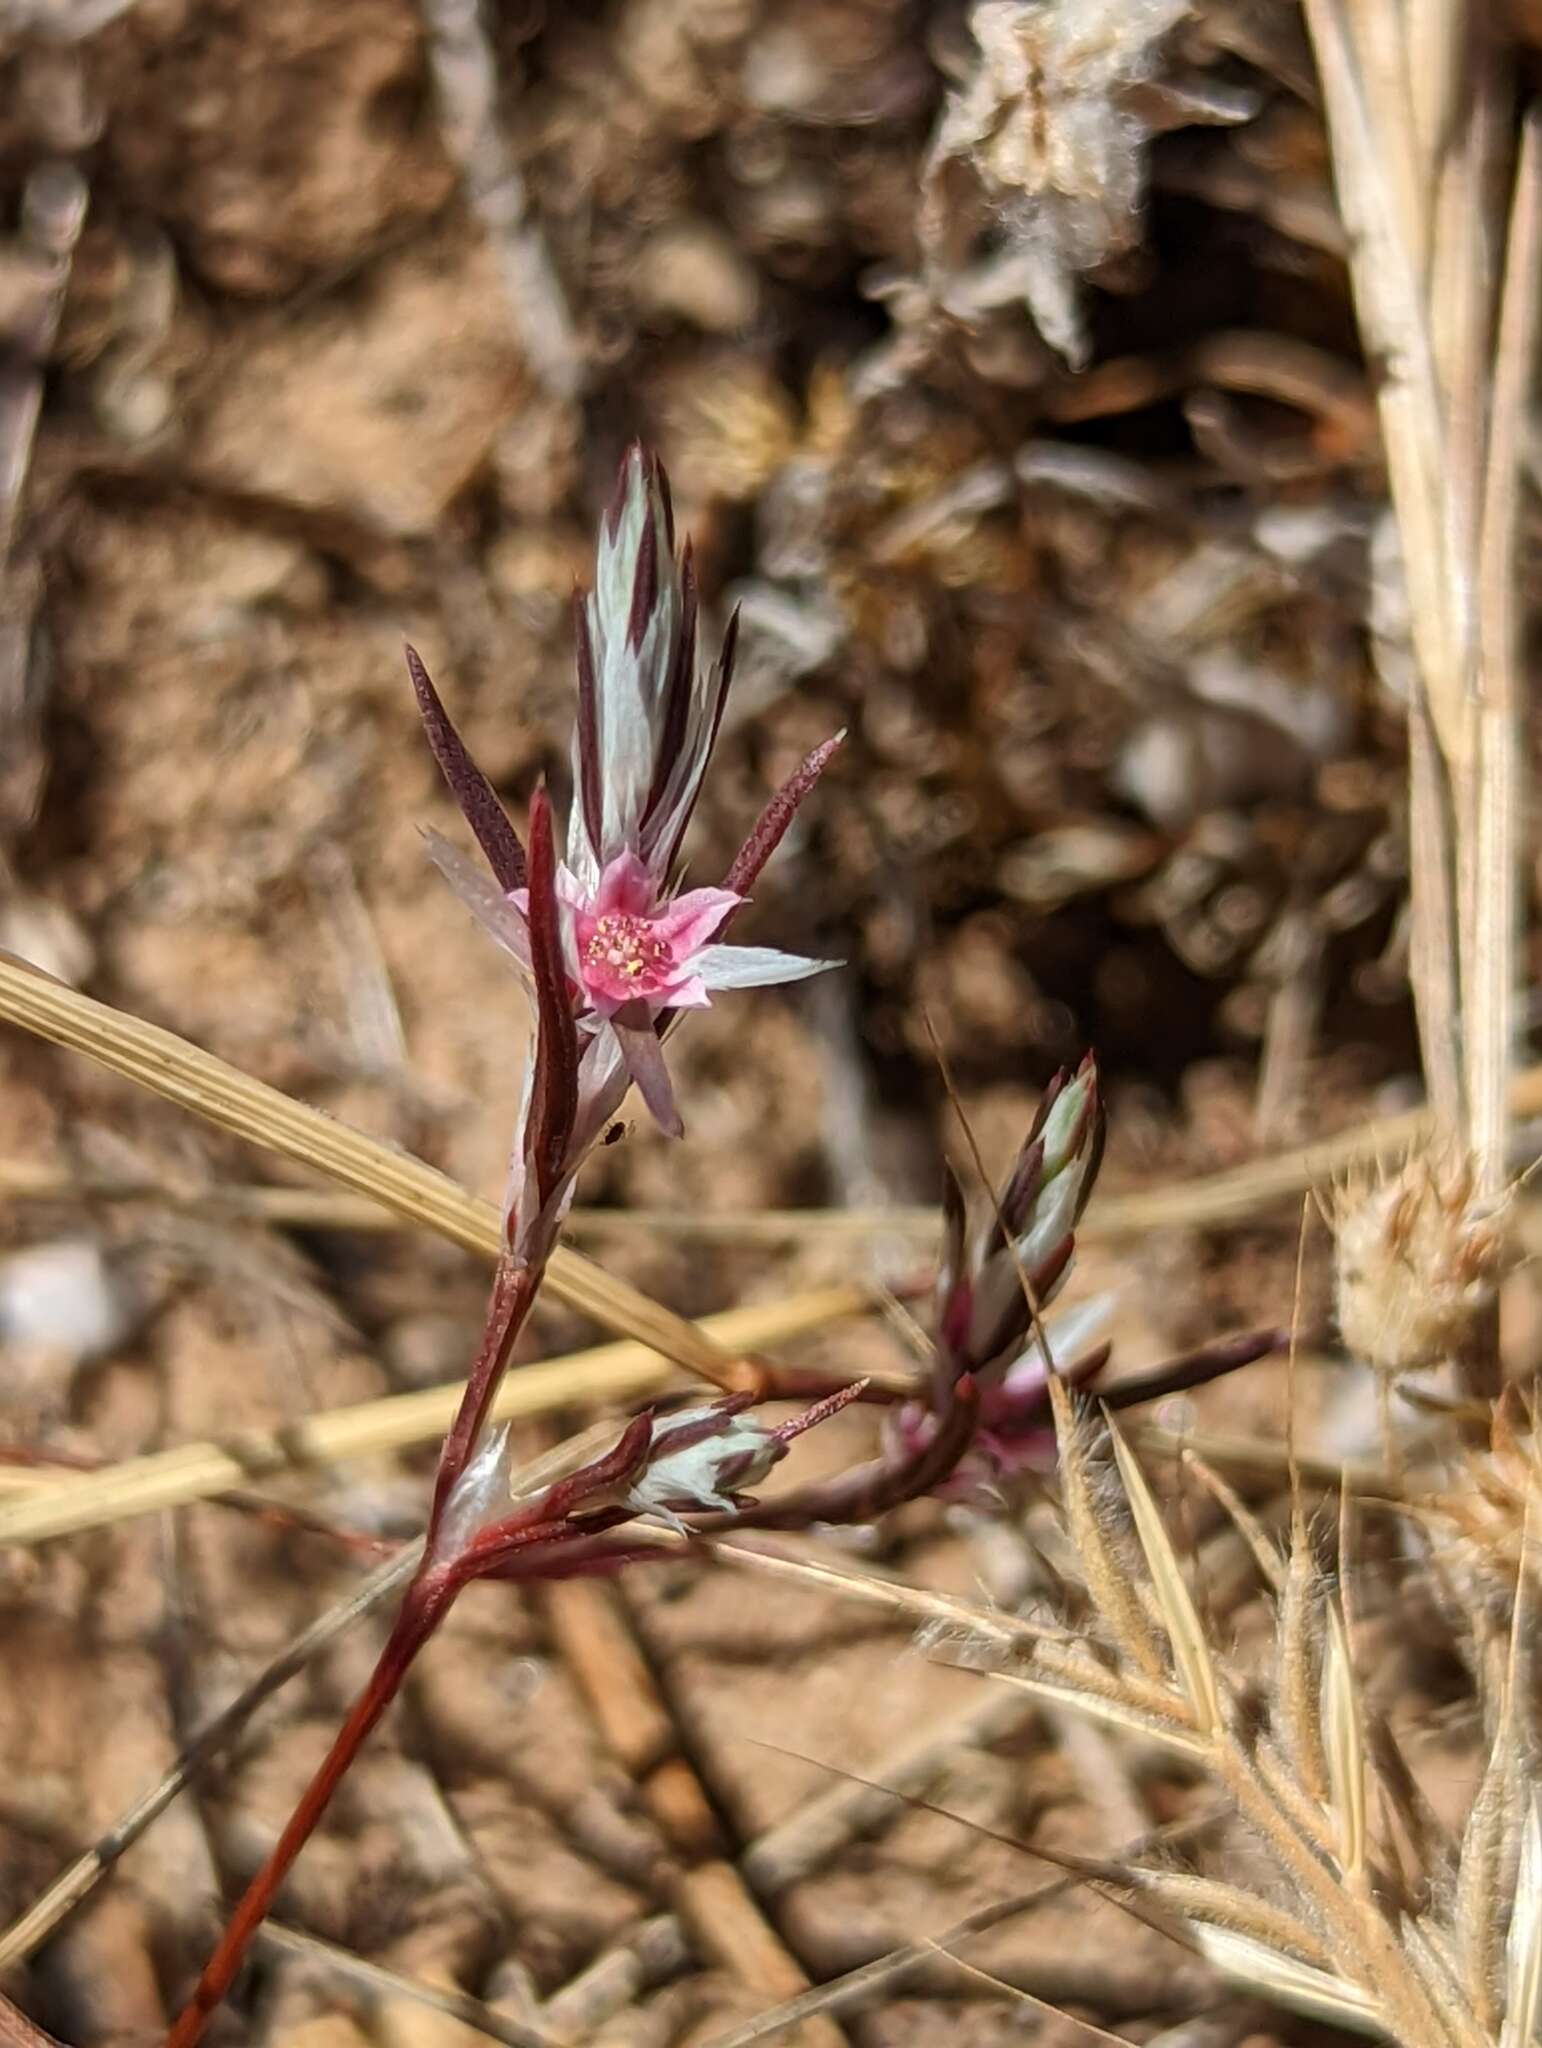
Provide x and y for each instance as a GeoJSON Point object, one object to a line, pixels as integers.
{"type": "Point", "coordinates": [1417, 1259]}
{"type": "Point", "coordinates": [1050, 131]}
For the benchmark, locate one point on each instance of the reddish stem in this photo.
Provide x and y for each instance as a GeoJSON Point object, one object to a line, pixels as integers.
{"type": "Point", "coordinates": [514, 1289]}
{"type": "Point", "coordinates": [424, 1606]}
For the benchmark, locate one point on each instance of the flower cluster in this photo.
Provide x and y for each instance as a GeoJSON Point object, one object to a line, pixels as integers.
{"type": "Point", "coordinates": [607, 944]}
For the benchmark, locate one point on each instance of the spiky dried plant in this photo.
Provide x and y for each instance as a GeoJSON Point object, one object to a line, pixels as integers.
{"type": "Point", "coordinates": [1481, 1506]}
{"type": "Point", "coordinates": [1366, 1916]}
{"type": "Point", "coordinates": [1418, 1255]}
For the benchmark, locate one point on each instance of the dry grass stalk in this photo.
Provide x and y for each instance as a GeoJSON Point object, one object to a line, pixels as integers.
{"type": "Point", "coordinates": [1416, 102]}
{"type": "Point", "coordinates": [223, 1095]}
{"type": "Point", "coordinates": [1347, 1936]}
{"type": "Point", "coordinates": [1523, 1952]}
{"type": "Point", "coordinates": [1207, 1201]}
{"type": "Point", "coordinates": [608, 1376]}
{"type": "Point", "coordinates": [378, 1984]}
{"type": "Point", "coordinates": [1300, 1670]}
{"type": "Point", "coordinates": [1269, 1458]}
{"type": "Point", "coordinates": [1101, 1549]}
{"type": "Point", "coordinates": [1495, 840]}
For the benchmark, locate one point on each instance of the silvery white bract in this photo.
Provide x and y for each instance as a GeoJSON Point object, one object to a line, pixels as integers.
{"type": "Point", "coordinates": [647, 713]}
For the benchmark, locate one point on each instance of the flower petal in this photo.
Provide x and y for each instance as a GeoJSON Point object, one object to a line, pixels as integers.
{"type": "Point", "coordinates": [689, 921]}
{"type": "Point", "coordinates": [754, 966]}
{"type": "Point", "coordinates": [570, 888]}
{"type": "Point", "coordinates": [644, 1058]}
{"type": "Point", "coordinates": [689, 994]}
{"type": "Point", "coordinates": [626, 887]}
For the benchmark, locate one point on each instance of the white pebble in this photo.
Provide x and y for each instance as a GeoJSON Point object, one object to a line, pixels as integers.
{"type": "Point", "coordinates": [61, 1298]}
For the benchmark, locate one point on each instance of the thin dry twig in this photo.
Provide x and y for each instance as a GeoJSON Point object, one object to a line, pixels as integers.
{"type": "Point", "coordinates": [83, 1875]}
{"type": "Point", "coordinates": [378, 1982]}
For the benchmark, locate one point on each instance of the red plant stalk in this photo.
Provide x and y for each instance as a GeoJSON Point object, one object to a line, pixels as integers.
{"type": "Point", "coordinates": [515, 1286]}
{"type": "Point", "coordinates": [424, 1605]}
{"type": "Point", "coordinates": [427, 1599]}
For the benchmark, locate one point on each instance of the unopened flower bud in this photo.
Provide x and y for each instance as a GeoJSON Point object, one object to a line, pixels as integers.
{"type": "Point", "coordinates": [703, 1459]}
{"type": "Point", "coordinates": [706, 1457]}
{"type": "Point", "coordinates": [1071, 1126]}
{"type": "Point", "coordinates": [1026, 1256]}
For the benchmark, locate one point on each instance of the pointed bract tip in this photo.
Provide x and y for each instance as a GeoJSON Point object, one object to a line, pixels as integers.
{"type": "Point", "coordinates": [640, 475]}
{"type": "Point", "coordinates": [478, 800]}
{"type": "Point", "coordinates": [775, 819]}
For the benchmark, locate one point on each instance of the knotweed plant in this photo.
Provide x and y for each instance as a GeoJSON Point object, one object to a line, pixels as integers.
{"type": "Point", "coordinates": [611, 950]}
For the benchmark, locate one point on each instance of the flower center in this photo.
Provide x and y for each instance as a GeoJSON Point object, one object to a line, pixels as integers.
{"type": "Point", "coordinates": [627, 947]}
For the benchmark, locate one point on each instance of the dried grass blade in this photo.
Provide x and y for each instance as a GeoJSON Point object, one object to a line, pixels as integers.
{"type": "Point", "coordinates": [1389, 299]}
{"type": "Point", "coordinates": [1213, 1199]}
{"type": "Point", "coordinates": [611, 1374]}
{"type": "Point", "coordinates": [1204, 1901]}
{"type": "Point", "coordinates": [1185, 1631]}
{"type": "Point", "coordinates": [1107, 1570]}
{"type": "Point", "coordinates": [1114, 1712]}
{"type": "Point", "coordinates": [1478, 1913]}
{"type": "Point", "coordinates": [1268, 1457]}
{"type": "Point", "coordinates": [1345, 1744]}
{"type": "Point", "coordinates": [181, 1073]}
{"type": "Point", "coordinates": [1523, 1951]}
{"type": "Point", "coordinates": [1489, 1842]}
{"type": "Point", "coordinates": [1265, 1555]}
{"type": "Point", "coordinates": [1494, 839]}
{"type": "Point", "coordinates": [1318, 1993]}
{"type": "Point", "coordinates": [1300, 1669]}
{"type": "Point", "coordinates": [1429, 1960]}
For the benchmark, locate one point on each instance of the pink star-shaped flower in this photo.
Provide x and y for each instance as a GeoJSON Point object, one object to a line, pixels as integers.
{"type": "Point", "coordinates": [631, 947]}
